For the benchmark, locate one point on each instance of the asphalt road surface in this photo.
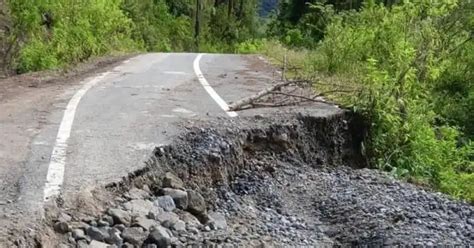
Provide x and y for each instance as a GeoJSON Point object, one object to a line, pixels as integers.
{"type": "Point", "coordinates": [59, 140]}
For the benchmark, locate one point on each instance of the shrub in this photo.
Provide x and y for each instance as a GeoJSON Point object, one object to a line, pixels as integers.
{"type": "Point", "coordinates": [399, 54]}
{"type": "Point", "coordinates": [409, 67]}
{"type": "Point", "coordinates": [249, 46]}
{"type": "Point", "coordinates": [67, 31]}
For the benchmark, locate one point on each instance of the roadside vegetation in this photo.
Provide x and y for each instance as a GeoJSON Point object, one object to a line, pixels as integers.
{"type": "Point", "coordinates": [44, 34]}
{"type": "Point", "coordinates": [407, 66]}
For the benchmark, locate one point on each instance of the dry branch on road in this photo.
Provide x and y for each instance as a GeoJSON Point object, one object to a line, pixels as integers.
{"type": "Point", "coordinates": [283, 89]}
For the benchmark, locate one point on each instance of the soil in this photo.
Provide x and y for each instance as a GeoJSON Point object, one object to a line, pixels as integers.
{"type": "Point", "coordinates": [294, 179]}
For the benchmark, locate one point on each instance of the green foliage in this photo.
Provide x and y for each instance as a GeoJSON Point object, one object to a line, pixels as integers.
{"type": "Point", "coordinates": [400, 56]}
{"type": "Point", "coordinates": [63, 32]}
{"type": "Point", "coordinates": [413, 64]}
{"type": "Point", "coordinates": [9, 41]}
{"type": "Point", "coordinates": [156, 28]}
{"type": "Point", "coordinates": [224, 26]}
{"type": "Point", "coordinates": [58, 33]}
{"type": "Point", "coordinates": [302, 23]}
{"type": "Point", "coordinates": [250, 46]}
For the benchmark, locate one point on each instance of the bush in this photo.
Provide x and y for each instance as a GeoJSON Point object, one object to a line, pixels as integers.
{"type": "Point", "coordinates": [63, 32]}
{"type": "Point", "coordinates": [249, 46]}
{"type": "Point", "coordinates": [156, 29]}
{"type": "Point", "coordinates": [66, 31]}
{"type": "Point", "coordinates": [409, 68]}
{"type": "Point", "coordinates": [399, 54]}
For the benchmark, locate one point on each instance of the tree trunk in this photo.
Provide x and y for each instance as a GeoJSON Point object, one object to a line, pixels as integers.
{"type": "Point", "coordinates": [241, 9]}
{"type": "Point", "coordinates": [230, 6]}
{"type": "Point", "coordinates": [197, 24]}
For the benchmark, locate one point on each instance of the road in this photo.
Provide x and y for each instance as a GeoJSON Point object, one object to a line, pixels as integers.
{"type": "Point", "coordinates": [64, 139]}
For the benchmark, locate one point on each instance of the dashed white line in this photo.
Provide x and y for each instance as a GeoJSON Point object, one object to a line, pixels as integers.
{"type": "Point", "coordinates": [210, 90]}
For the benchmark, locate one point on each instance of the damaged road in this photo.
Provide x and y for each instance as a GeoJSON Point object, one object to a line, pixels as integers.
{"type": "Point", "coordinates": [123, 111]}
{"type": "Point", "coordinates": [154, 158]}
{"type": "Point", "coordinates": [285, 180]}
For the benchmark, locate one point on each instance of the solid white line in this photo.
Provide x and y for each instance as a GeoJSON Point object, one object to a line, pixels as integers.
{"type": "Point", "coordinates": [57, 163]}
{"type": "Point", "coordinates": [210, 90]}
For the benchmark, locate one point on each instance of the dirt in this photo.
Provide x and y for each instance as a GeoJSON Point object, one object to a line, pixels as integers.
{"type": "Point", "coordinates": [292, 179]}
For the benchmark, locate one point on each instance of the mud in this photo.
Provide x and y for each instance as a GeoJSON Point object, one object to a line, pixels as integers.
{"type": "Point", "coordinates": [286, 180]}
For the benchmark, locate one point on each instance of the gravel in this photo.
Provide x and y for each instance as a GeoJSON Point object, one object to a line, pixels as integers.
{"type": "Point", "coordinates": [289, 184]}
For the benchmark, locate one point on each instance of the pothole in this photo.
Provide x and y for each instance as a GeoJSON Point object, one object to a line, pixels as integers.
{"type": "Point", "coordinates": [288, 180]}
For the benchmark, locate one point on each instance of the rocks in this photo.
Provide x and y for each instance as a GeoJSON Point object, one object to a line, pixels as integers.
{"type": "Point", "coordinates": [102, 223]}
{"type": "Point", "coordinates": [167, 217]}
{"type": "Point", "coordinates": [135, 194]}
{"type": "Point", "coordinates": [190, 219]}
{"type": "Point", "coordinates": [180, 197]}
{"type": "Point", "coordinates": [196, 203]}
{"type": "Point", "coordinates": [114, 237]}
{"type": "Point", "coordinates": [179, 226]}
{"type": "Point", "coordinates": [97, 244]}
{"type": "Point", "coordinates": [120, 216]}
{"type": "Point", "coordinates": [280, 186]}
{"type": "Point", "coordinates": [82, 244]}
{"type": "Point", "coordinates": [98, 234]}
{"type": "Point", "coordinates": [155, 211]}
{"type": "Point", "coordinates": [217, 221]}
{"type": "Point", "coordinates": [172, 181]}
{"type": "Point", "coordinates": [165, 202]}
{"type": "Point", "coordinates": [63, 217]}
{"type": "Point", "coordinates": [61, 227]}
{"type": "Point", "coordinates": [78, 234]}
{"type": "Point", "coordinates": [159, 236]}
{"type": "Point", "coordinates": [145, 223]}
{"type": "Point", "coordinates": [134, 235]}
{"type": "Point", "coordinates": [140, 207]}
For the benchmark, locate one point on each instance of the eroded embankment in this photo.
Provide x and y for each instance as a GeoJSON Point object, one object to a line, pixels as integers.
{"type": "Point", "coordinates": [289, 180]}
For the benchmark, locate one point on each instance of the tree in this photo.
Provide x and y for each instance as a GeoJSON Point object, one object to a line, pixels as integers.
{"type": "Point", "coordinates": [9, 40]}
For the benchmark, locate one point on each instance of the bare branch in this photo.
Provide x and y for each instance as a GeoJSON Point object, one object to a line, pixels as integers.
{"type": "Point", "coordinates": [248, 100]}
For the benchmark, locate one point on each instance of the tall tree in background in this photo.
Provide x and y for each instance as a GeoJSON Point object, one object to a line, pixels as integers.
{"type": "Point", "coordinates": [303, 22]}
{"type": "Point", "coordinates": [267, 6]}
{"type": "Point", "coordinates": [224, 23]}
{"type": "Point", "coordinates": [197, 23]}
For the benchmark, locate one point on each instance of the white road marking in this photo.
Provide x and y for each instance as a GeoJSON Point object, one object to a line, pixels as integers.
{"type": "Point", "coordinates": [57, 163]}
{"type": "Point", "coordinates": [182, 111]}
{"type": "Point", "coordinates": [175, 72]}
{"type": "Point", "coordinates": [143, 146]}
{"type": "Point", "coordinates": [168, 116]}
{"type": "Point", "coordinates": [210, 90]}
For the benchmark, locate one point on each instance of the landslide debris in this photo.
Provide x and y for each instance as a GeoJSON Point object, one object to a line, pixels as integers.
{"type": "Point", "coordinates": [288, 180]}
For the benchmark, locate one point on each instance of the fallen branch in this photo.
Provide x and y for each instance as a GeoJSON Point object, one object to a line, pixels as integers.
{"type": "Point", "coordinates": [325, 93]}
{"type": "Point", "coordinates": [275, 105]}
{"type": "Point", "coordinates": [238, 105]}
{"type": "Point", "coordinates": [336, 85]}
{"type": "Point", "coordinates": [313, 99]}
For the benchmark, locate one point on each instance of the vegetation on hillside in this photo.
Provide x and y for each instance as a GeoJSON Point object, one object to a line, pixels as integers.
{"type": "Point", "coordinates": [407, 67]}
{"type": "Point", "coordinates": [48, 34]}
